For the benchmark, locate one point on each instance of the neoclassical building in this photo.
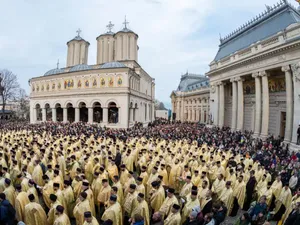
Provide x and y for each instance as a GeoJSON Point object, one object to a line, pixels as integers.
{"type": "Point", "coordinates": [255, 76]}
{"type": "Point", "coordinates": [190, 102]}
{"type": "Point", "coordinates": [116, 92]}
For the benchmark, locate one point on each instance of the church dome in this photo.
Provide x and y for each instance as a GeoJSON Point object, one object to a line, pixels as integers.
{"type": "Point", "coordinates": [80, 67]}
{"type": "Point", "coordinates": [112, 65]}
{"type": "Point", "coordinates": [54, 71]}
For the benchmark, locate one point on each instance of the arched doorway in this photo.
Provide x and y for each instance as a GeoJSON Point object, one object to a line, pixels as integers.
{"type": "Point", "coordinates": [97, 112]}
{"type": "Point", "coordinates": [38, 112]}
{"type": "Point", "coordinates": [70, 113]}
{"type": "Point", "coordinates": [83, 112]}
{"type": "Point", "coordinates": [59, 113]}
{"type": "Point", "coordinates": [48, 112]}
{"type": "Point", "coordinates": [113, 113]}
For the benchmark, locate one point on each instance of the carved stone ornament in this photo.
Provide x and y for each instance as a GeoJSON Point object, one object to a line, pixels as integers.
{"type": "Point", "coordinates": [296, 70]}
{"type": "Point", "coordinates": [213, 88]}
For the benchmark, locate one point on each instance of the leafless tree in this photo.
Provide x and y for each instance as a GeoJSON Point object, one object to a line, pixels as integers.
{"type": "Point", "coordinates": [9, 87]}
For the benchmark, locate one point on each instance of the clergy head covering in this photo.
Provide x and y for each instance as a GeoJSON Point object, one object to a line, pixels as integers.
{"type": "Point", "coordinates": [160, 177]}
{"type": "Point", "coordinates": [67, 182]}
{"type": "Point", "coordinates": [130, 172]}
{"type": "Point", "coordinates": [104, 180]}
{"type": "Point", "coordinates": [45, 177]}
{"type": "Point", "coordinates": [195, 188]}
{"type": "Point", "coordinates": [132, 186]}
{"type": "Point", "coordinates": [139, 179]}
{"type": "Point", "coordinates": [154, 184]}
{"type": "Point", "coordinates": [56, 185]}
{"type": "Point", "coordinates": [87, 214]}
{"type": "Point", "coordinates": [188, 177]}
{"type": "Point", "coordinates": [83, 194]}
{"type": "Point", "coordinates": [194, 193]}
{"type": "Point", "coordinates": [60, 208]}
{"type": "Point", "coordinates": [171, 190]}
{"type": "Point", "coordinates": [85, 183]}
{"type": "Point", "coordinates": [141, 195]}
{"type": "Point", "coordinates": [269, 183]}
{"type": "Point", "coordinates": [176, 207]}
{"type": "Point", "coordinates": [56, 172]}
{"type": "Point", "coordinates": [155, 168]}
{"type": "Point", "coordinates": [53, 197]}
{"type": "Point", "coordinates": [196, 171]}
{"type": "Point", "coordinates": [228, 182]}
{"type": "Point", "coordinates": [31, 197]}
{"type": "Point", "coordinates": [2, 196]}
{"type": "Point", "coordinates": [7, 181]}
{"type": "Point", "coordinates": [18, 187]}
{"type": "Point", "coordinates": [113, 198]}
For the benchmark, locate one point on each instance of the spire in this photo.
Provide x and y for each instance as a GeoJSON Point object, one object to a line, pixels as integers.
{"type": "Point", "coordinates": [110, 26]}
{"type": "Point", "coordinates": [125, 23]}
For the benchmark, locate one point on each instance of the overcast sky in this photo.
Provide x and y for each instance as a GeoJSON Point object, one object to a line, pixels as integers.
{"type": "Point", "coordinates": [174, 35]}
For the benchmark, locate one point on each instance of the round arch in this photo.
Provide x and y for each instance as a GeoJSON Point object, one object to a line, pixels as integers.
{"type": "Point", "coordinates": [94, 101]}
{"type": "Point", "coordinates": [80, 101]}
{"type": "Point", "coordinates": [112, 100]}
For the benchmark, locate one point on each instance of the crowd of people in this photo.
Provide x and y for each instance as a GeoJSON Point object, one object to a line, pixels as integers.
{"type": "Point", "coordinates": [168, 173]}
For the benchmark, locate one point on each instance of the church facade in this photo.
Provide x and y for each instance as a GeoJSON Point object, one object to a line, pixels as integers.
{"type": "Point", "coordinates": [254, 80]}
{"type": "Point", "coordinates": [116, 92]}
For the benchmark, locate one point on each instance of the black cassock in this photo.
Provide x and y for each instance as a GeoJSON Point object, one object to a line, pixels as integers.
{"type": "Point", "coordinates": [250, 187]}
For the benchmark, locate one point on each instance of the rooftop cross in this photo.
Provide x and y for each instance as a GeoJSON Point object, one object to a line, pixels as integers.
{"type": "Point", "coordinates": [78, 32]}
{"type": "Point", "coordinates": [110, 26]}
{"type": "Point", "coordinates": [125, 22]}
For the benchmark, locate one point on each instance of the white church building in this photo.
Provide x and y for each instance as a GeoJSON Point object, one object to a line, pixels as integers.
{"type": "Point", "coordinates": [116, 92]}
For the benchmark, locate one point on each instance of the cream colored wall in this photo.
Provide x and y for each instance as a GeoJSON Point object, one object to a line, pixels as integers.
{"type": "Point", "coordinates": [77, 53]}
{"type": "Point", "coordinates": [125, 46]}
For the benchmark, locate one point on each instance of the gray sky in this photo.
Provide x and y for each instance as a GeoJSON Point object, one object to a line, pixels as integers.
{"type": "Point", "coordinates": [174, 35]}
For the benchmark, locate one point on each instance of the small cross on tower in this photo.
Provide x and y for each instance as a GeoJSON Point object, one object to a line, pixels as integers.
{"type": "Point", "coordinates": [125, 23]}
{"type": "Point", "coordinates": [110, 26]}
{"type": "Point", "coordinates": [78, 32]}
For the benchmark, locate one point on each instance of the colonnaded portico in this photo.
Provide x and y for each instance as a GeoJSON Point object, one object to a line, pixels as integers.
{"type": "Point", "coordinates": [254, 77]}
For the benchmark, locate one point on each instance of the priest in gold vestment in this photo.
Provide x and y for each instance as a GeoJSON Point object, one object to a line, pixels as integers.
{"type": "Point", "coordinates": [34, 213]}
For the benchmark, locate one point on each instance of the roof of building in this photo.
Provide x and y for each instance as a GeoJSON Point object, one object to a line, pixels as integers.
{"type": "Point", "coordinates": [78, 38]}
{"type": "Point", "coordinates": [107, 33]}
{"type": "Point", "coordinates": [112, 65]}
{"type": "Point", "coordinates": [273, 20]}
{"type": "Point", "coordinates": [126, 30]}
{"type": "Point", "coordinates": [80, 67]}
{"type": "Point", "coordinates": [190, 82]}
{"type": "Point", "coordinates": [54, 71]}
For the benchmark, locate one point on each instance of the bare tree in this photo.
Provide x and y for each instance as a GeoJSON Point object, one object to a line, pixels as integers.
{"type": "Point", "coordinates": [23, 104]}
{"type": "Point", "coordinates": [9, 87]}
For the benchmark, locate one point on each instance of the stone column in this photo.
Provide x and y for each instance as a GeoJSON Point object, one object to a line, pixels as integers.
{"type": "Point", "coordinates": [216, 120]}
{"type": "Point", "coordinates": [34, 115]}
{"type": "Point", "coordinates": [289, 103]}
{"type": "Point", "coordinates": [178, 110]}
{"type": "Point", "coordinates": [65, 115]}
{"type": "Point", "coordinates": [240, 107]}
{"type": "Point", "coordinates": [202, 113]}
{"type": "Point", "coordinates": [90, 113]}
{"type": "Point", "coordinates": [77, 114]}
{"type": "Point", "coordinates": [257, 123]}
{"type": "Point", "coordinates": [54, 114]}
{"type": "Point", "coordinates": [197, 114]}
{"type": "Point", "coordinates": [193, 114]}
{"type": "Point", "coordinates": [222, 104]}
{"type": "Point", "coordinates": [234, 104]}
{"type": "Point", "coordinates": [182, 110]}
{"type": "Point", "coordinates": [265, 103]}
{"type": "Point", "coordinates": [131, 114]}
{"type": "Point", "coordinates": [44, 115]}
{"type": "Point", "coordinates": [105, 115]}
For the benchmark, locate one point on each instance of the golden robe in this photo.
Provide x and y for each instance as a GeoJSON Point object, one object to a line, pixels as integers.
{"type": "Point", "coordinates": [51, 213]}
{"type": "Point", "coordinates": [93, 222]}
{"type": "Point", "coordinates": [239, 191]}
{"type": "Point", "coordinates": [295, 200]}
{"type": "Point", "coordinates": [186, 189]}
{"type": "Point", "coordinates": [130, 203]}
{"type": "Point", "coordinates": [10, 194]}
{"type": "Point", "coordinates": [37, 175]}
{"type": "Point", "coordinates": [140, 189]}
{"type": "Point", "coordinates": [62, 219]}
{"type": "Point", "coordinates": [20, 203]}
{"type": "Point", "coordinates": [69, 200]}
{"type": "Point", "coordinates": [113, 212]}
{"type": "Point", "coordinates": [35, 214]}
{"type": "Point", "coordinates": [142, 209]}
{"type": "Point", "coordinates": [174, 175]}
{"type": "Point", "coordinates": [156, 200]}
{"type": "Point", "coordinates": [33, 191]}
{"type": "Point", "coordinates": [47, 190]}
{"type": "Point", "coordinates": [79, 210]}
{"type": "Point", "coordinates": [166, 207]}
{"type": "Point", "coordinates": [226, 196]}
{"type": "Point", "coordinates": [218, 186]}
{"type": "Point", "coordinates": [285, 198]}
{"type": "Point", "coordinates": [104, 195]}
{"type": "Point", "coordinates": [187, 209]}
{"type": "Point", "coordinates": [276, 188]}
{"type": "Point", "coordinates": [173, 219]}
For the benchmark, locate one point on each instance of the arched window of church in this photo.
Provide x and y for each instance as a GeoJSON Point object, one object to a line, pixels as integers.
{"type": "Point", "coordinates": [53, 86]}
{"type": "Point", "coordinates": [48, 87]}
